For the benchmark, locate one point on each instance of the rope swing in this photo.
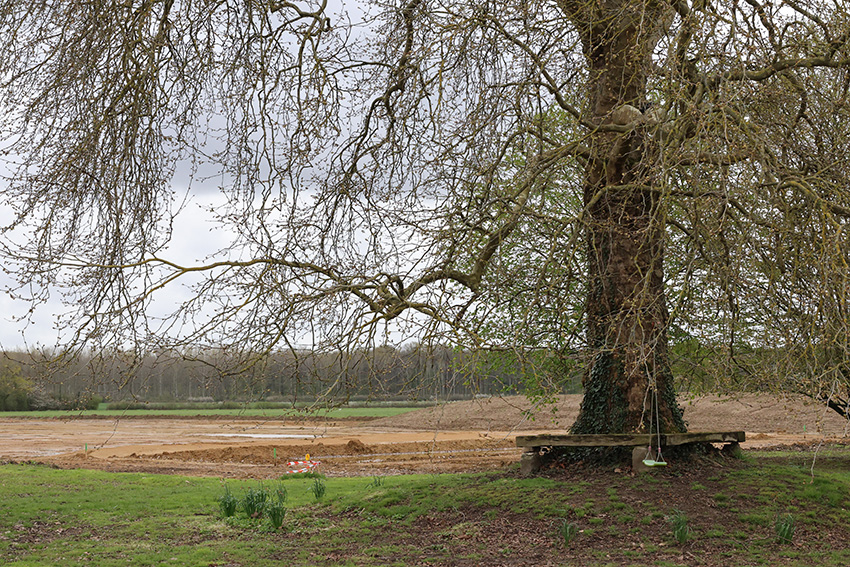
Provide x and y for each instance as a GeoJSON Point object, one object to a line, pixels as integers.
{"type": "Point", "coordinates": [656, 460]}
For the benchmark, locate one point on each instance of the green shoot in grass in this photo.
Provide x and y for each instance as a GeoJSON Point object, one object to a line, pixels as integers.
{"type": "Point", "coordinates": [784, 528]}
{"type": "Point", "coordinates": [257, 503]}
{"type": "Point", "coordinates": [679, 522]}
{"type": "Point", "coordinates": [275, 512]}
{"type": "Point", "coordinates": [227, 503]}
{"type": "Point", "coordinates": [376, 482]}
{"type": "Point", "coordinates": [254, 501]}
{"type": "Point", "coordinates": [568, 531]}
{"type": "Point", "coordinates": [280, 493]}
{"type": "Point", "coordinates": [318, 488]}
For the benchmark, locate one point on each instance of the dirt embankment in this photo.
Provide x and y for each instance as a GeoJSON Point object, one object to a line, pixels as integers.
{"type": "Point", "coordinates": [754, 413]}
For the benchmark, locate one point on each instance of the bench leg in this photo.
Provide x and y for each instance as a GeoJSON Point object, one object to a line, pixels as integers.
{"type": "Point", "coordinates": [638, 455]}
{"type": "Point", "coordinates": [733, 450]}
{"type": "Point", "coordinates": [531, 461]}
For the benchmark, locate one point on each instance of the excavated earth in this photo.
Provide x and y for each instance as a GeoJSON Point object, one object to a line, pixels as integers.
{"type": "Point", "coordinates": [460, 436]}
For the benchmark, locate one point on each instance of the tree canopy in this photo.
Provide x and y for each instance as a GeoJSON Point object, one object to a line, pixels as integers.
{"type": "Point", "coordinates": [584, 177]}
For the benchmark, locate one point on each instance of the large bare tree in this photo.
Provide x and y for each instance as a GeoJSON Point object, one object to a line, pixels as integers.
{"type": "Point", "coordinates": [569, 176]}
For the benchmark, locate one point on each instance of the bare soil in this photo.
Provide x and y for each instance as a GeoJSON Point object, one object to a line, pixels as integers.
{"type": "Point", "coordinates": [460, 436]}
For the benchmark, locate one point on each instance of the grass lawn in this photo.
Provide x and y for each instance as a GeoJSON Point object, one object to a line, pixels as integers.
{"type": "Point", "coordinates": [725, 512]}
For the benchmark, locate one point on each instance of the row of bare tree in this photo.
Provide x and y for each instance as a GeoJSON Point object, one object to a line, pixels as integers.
{"type": "Point", "coordinates": [383, 373]}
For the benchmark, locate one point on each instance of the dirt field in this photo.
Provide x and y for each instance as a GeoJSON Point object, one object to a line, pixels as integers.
{"type": "Point", "coordinates": [461, 436]}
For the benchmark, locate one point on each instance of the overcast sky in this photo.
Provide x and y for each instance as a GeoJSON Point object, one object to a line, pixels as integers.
{"type": "Point", "coordinates": [194, 238]}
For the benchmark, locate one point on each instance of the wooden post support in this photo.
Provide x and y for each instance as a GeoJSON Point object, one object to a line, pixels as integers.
{"type": "Point", "coordinates": [530, 461]}
{"type": "Point", "coordinates": [638, 455]}
{"type": "Point", "coordinates": [732, 449]}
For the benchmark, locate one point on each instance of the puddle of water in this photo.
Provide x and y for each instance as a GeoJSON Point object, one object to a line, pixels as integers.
{"type": "Point", "coordinates": [259, 435]}
{"type": "Point", "coordinates": [30, 454]}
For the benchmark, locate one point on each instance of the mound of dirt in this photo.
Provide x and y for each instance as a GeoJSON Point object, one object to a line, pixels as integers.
{"type": "Point", "coordinates": [267, 454]}
{"type": "Point", "coordinates": [503, 413]}
{"type": "Point", "coordinates": [357, 447]}
{"type": "Point", "coordinates": [748, 412]}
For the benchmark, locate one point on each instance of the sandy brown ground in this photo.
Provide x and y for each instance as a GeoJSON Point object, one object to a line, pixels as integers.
{"type": "Point", "coordinates": [461, 436]}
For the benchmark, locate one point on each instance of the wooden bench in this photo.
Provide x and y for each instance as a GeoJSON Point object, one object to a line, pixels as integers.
{"type": "Point", "coordinates": [532, 458]}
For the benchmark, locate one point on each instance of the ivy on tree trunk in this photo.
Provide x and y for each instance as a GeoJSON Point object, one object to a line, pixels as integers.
{"type": "Point", "coordinates": [626, 310]}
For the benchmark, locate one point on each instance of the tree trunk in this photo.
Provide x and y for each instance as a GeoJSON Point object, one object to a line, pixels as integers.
{"type": "Point", "coordinates": [628, 384]}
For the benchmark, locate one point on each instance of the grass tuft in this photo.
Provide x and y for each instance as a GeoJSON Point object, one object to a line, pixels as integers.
{"type": "Point", "coordinates": [784, 528]}
{"type": "Point", "coordinates": [568, 531]}
{"type": "Point", "coordinates": [281, 493]}
{"type": "Point", "coordinates": [318, 488]}
{"type": "Point", "coordinates": [227, 503]}
{"type": "Point", "coordinates": [254, 502]}
{"type": "Point", "coordinates": [276, 513]}
{"type": "Point", "coordinates": [681, 529]}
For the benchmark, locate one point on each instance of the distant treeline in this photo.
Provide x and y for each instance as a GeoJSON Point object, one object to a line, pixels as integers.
{"type": "Point", "coordinates": [380, 374]}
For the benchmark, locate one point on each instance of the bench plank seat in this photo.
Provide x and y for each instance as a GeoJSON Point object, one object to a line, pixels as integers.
{"type": "Point", "coordinates": [532, 459]}
{"type": "Point", "coordinates": [629, 440]}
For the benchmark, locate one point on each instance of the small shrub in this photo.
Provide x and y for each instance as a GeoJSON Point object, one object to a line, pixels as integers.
{"type": "Point", "coordinates": [15, 389]}
{"type": "Point", "coordinates": [568, 531]}
{"type": "Point", "coordinates": [785, 528]}
{"type": "Point", "coordinates": [679, 523]}
{"type": "Point", "coordinates": [92, 402]}
{"type": "Point", "coordinates": [227, 503]}
{"type": "Point", "coordinates": [318, 488]}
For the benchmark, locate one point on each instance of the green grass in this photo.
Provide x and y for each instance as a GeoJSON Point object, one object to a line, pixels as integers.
{"type": "Point", "coordinates": [76, 517]}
